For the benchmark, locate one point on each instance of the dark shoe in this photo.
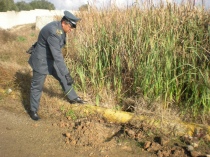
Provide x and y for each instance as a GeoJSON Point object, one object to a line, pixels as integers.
{"type": "Point", "coordinates": [77, 100]}
{"type": "Point", "coordinates": [34, 115]}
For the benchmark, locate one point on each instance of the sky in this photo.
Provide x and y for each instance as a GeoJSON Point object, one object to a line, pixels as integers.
{"type": "Point", "coordinates": [75, 4]}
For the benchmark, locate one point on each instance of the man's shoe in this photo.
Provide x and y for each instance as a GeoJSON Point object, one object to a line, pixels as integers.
{"type": "Point", "coordinates": [77, 100]}
{"type": "Point", "coordinates": [34, 115]}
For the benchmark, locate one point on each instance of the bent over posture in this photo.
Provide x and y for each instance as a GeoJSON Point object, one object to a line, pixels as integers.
{"type": "Point", "coordinates": [47, 59]}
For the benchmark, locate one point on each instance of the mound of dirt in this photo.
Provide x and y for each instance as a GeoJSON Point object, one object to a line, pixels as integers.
{"type": "Point", "coordinates": [89, 133]}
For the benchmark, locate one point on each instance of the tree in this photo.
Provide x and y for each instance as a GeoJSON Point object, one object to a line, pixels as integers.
{"type": "Point", "coordinates": [7, 5]}
{"type": "Point", "coordinates": [23, 6]}
{"type": "Point", "coordinates": [42, 4]}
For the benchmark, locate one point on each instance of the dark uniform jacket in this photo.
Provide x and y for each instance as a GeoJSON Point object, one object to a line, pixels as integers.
{"type": "Point", "coordinates": [48, 52]}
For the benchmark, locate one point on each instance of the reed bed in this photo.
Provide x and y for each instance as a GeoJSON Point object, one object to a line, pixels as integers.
{"type": "Point", "coordinates": [160, 53]}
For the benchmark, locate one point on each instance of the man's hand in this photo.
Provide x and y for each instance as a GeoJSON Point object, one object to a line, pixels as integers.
{"type": "Point", "coordinates": [69, 79]}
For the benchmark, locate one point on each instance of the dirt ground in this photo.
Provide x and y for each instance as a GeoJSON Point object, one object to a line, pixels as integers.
{"type": "Point", "coordinates": [58, 135]}
{"type": "Point", "coordinates": [22, 137]}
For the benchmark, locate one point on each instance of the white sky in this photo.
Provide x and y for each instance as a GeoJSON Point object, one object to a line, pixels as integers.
{"type": "Point", "coordinates": [75, 4]}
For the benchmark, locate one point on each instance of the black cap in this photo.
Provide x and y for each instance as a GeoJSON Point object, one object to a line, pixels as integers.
{"type": "Point", "coordinates": [69, 17]}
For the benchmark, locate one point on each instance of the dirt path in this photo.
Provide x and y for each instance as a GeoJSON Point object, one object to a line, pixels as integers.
{"type": "Point", "coordinates": [20, 136]}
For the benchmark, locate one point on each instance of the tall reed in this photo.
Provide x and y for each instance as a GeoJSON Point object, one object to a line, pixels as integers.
{"type": "Point", "coordinates": [164, 51]}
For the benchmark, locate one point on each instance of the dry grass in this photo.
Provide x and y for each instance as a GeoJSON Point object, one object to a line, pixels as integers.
{"type": "Point", "coordinates": [18, 40]}
{"type": "Point", "coordinates": [6, 36]}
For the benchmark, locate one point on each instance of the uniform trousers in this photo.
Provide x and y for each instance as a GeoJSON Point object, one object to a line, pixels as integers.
{"type": "Point", "coordinates": [37, 84]}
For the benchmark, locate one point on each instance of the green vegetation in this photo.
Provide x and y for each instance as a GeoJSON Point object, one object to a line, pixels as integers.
{"type": "Point", "coordinates": [24, 6]}
{"type": "Point", "coordinates": [161, 53]}
{"type": "Point", "coordinates": [9, 5]}
{"type": "Point", "coordinates": [41, 4]}
{"type": "Point", "coordinates": [21, 39]}
{"type": "Point", "coordinates": [71, 113]}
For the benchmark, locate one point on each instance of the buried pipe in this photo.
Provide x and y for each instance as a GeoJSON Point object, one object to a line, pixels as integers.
{"type": "Point", "coordinates": [176, 127]}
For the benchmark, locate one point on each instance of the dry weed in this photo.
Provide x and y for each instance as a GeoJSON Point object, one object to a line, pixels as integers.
{"type": "Point", "coordinates": [6, 36]}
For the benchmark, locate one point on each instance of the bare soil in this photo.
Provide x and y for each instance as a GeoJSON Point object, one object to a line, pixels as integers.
{"type": "Point", "coordinates": [21, 136]}
{"type": "Point", "coordinates": [62, 136]}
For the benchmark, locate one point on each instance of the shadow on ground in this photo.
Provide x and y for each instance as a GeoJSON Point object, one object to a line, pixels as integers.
{"type": "Point", "coordinates": [23, 83]}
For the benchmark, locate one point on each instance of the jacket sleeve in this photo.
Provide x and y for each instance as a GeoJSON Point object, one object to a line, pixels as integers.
{"type": "Point", "coordinates": [55, 48]}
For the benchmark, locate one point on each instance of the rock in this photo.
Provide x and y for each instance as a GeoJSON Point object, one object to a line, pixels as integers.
{"type": "Point", "coordinates": [54, 124]}
{"type": "Point", "coordinates": [178, 153]}
{"type": "Point", "coordinates": [69, 118]}
{"type": "Point", "coordinates": [154, 147]}
{"type": "Point", "coordinates": [147, 144]}
{"type": "Point", "coordinates": [67, 142]}
{"type": "Point", "coordinates": [91, 154]}
{"type": "Point", "coordinates": [62, 124]}
{"type": "Point", "coordinates": [139, 136]}
{"type": "Point", "coordinates": [166, 153]}
{"type": "Point", "coordinates": [127, 148]}
{"type": "Point", "coordinates": [194, 153]}
{"type": "Point", "coordinates": [130, 133]}
{"type": "Point", "coordinates": [164, 141]}
{"type": "Point", "coordinates": [68, 135]}
{"type": "Point", "coordinates": [9, 91]}
{"type": "Point", "coordinates": [160, 154]}
{"type": "Point", "coordinates": [194, 144]}
{"type": "Point", "coordinates": [190, 148]}
{"type": "Point", "coordinates": [74, 142]}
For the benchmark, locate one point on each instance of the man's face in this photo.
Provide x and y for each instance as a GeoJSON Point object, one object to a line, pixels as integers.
{"type": "Point", "coordinates": [66, 27]}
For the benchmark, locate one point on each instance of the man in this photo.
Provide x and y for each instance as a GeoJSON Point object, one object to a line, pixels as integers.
{"type": "Point", "coordinates": [47, 59]}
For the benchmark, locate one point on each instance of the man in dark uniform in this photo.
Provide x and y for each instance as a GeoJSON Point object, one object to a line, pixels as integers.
{"type": "Point", "coordinates": [47, 59]}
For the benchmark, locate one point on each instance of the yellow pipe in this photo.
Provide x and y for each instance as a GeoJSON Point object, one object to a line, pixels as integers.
{"type": "Point", "coordinates": [115, 116]}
